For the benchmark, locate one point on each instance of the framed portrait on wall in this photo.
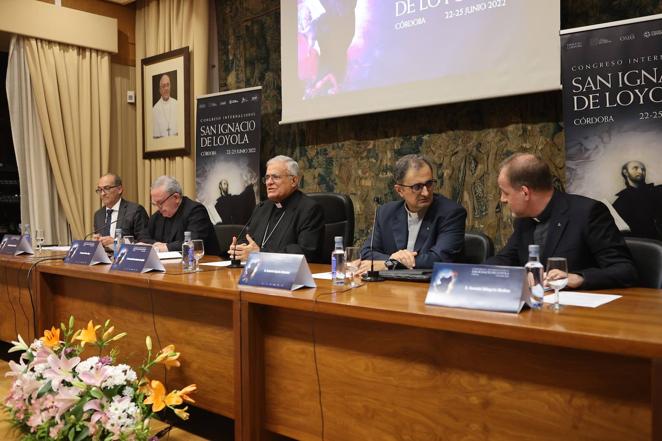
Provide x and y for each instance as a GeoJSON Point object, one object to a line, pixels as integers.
{"type": "Point", "coordinates": [166, 104]}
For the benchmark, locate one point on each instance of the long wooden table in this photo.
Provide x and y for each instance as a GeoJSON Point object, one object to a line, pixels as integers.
{"type": "Point", "coordinates": [375, 363]}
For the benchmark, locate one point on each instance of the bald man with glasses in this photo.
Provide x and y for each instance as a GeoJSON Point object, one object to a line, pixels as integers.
{"type": "Point", "coordinates": [117, 212]}
{"type": "Point", "coordinates": [419, 230]}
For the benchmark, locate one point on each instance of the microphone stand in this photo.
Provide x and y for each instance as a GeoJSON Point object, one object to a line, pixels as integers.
{"type": "Point", "coordinates": [99, 229]}
{"type": "Point", "coordinates": [372, 275]}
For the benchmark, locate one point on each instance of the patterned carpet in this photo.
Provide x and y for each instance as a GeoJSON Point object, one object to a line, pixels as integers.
{"type": "Point", "coordinates": [7, 434]}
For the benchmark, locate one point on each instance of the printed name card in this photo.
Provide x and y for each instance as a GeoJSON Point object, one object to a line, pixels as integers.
{"type": "Point", "coordinates": [86, 252]}
{"type": "Point", "coordinates": [13, 244]}
{"type": "Point", "coordinates": [492, 288]}
{"type": "Point", "coordinates": [276, 270]}
{"type": "Point", "coordinates": [137, 259]}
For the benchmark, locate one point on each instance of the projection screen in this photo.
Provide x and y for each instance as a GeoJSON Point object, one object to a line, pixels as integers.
{"type": "Point", "coordinates": [348, 57]}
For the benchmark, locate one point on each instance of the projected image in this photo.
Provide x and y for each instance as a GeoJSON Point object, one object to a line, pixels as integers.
{"type": "Point", "coordinates": [348, 45]}
{"type": "Point", "coordinates": [326, 29]}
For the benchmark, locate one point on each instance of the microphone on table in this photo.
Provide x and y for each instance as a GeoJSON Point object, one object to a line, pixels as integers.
{"type": "Point", "coordinates": [100, 228]}
{"type": "Point", "coordinates": [372, 275]}
{"type": "Point", "coordinates": [234, 262]}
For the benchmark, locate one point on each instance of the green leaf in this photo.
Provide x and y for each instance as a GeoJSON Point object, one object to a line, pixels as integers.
{"type": "Point", "coordinates": [83, 434]}
{"type": "Point", "coordinates": [72, 434]}
{"type": "Point", "coordinates": [44, 389]}
{"type": "Point", "coordinates": [71, 322]}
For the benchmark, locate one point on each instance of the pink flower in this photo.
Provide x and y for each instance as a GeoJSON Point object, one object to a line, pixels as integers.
{"type": "Point", "coordinates": [60, 370]}
{"type": "Point", "coordinates": [66, 398]}
{"type": "Point", "coordinates": [96, 376]}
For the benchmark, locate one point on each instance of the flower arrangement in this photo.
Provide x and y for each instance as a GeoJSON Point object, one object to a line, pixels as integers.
{"type": "Point", "coordinates": [57, 395]}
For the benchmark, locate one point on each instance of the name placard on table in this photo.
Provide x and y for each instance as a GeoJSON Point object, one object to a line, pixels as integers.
{"type": "Point", "coordinates": [277, 270]}
{"type": "Point", "coordinates": [14, 244]}
{"type": "Point", "coordinates": [137, 259]}
{"type": "Point", "coordinates": [86, 252]}
{"type": "Point", "coordinates": [492, 288]}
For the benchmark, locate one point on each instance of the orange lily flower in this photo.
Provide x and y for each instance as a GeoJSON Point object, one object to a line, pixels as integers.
{"type": "Point", "coordinates": [182, 413]}
{"type": "Point", "coordinates": [51, 338]}
{"type": "Point", "coordinates": [88, 335]}
{"type": "Point", "coordinates": [168, 357]}
{"type": "Point", "coordinates": [187, 390]}
{"type": "Point", "coordinates": [173, 398]}
{"type": "Point", "coordinates": [156, 396]}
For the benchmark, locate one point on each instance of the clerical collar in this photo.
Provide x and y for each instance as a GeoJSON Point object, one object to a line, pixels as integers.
{"type": "Point", "coordinates": [547, 212]}
{"type": "Point", "coordinates": [285, 202]}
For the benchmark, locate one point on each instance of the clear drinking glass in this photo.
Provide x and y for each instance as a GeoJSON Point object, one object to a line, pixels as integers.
{"type": "Point", "coordinates": [198, 252]}
{"type": "Point", "coordinates": [557, 277]}
{"type": "Point", "coordinates": [39, 238]}
{"type": "Point", "coordinates": [353, 261]}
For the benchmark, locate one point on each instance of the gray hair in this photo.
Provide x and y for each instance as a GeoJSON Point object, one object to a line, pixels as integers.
{"type": "Point", "coordinates": [116, 179]}
{"type": "Point", "coordinates": [292, 166]}
{"type": "Point", "coordinates": [409, 161]}
{"type": "Point", "coordinates": [169, 184]}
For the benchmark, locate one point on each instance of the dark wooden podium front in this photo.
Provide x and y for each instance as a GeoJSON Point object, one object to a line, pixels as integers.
{"type": "Point", "coordinates": [370, 363]}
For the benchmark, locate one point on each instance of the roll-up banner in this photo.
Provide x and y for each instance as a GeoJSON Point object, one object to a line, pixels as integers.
{"type": "Point", "coordinates": [228, 154]}
{"type": "Point", "coordinates": [612, 106]}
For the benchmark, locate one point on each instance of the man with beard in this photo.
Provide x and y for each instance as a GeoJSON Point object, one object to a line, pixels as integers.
{"type": "Point", "coordinates": [639, 203]}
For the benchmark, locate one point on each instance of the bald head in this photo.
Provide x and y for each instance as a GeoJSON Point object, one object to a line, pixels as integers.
{"type": "Point", "coordinates": [525, 182]}
{"type": "Point", "coordinates": [525, 169]}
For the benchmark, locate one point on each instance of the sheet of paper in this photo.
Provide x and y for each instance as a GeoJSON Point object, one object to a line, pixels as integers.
{"type": "Point", "coordinates": [323, 276]}
{"type": "Point", "coordinates": [584, 299]}
{"type": "Point", "coordinates": [221, 263]}
{"type": "Point", "coordinates": [170, 255]}
{"type": "Point", "coordinates": [62, 248]}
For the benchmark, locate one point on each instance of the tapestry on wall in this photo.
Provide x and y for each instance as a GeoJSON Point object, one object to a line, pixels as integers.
{"type": "Point", "coordinates": [612, 105]}
{"type": "Point", "coordinates": [228, 154]}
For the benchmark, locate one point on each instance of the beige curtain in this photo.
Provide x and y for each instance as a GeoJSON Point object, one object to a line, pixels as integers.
{"type": "Point", "coordinates": [40, 205]}
{"type": "Point", "coordinates": [72, 92]}
{"type": "Point", "coordinates": [162, 26]}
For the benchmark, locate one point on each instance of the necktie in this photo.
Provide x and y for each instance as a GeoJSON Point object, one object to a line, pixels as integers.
{"type": "Point", "coordinates": [106, 227]}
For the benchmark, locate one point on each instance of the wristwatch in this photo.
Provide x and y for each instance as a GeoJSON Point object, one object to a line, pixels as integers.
{"type": "Point", "coordinates": [391, 264]}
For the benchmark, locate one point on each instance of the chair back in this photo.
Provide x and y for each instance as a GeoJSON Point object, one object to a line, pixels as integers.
{"type": "Point", "coordinates": [338, 221]}
{"type": "Point", "coordinates": [224, 233]}
{"type": "Point", "coordinates": [647, 256]}
{"type": "Point", "coordinates": [477, 248]}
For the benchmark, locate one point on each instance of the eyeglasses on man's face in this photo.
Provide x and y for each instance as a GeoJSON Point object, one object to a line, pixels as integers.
{"type": "Point", "coordinates": [275, 178]}
{"type": "Point", "coordinates": [105, 189]}
{"type": "Point", "coordinates": [416, 188]}
{"type": "Point", "coordinates": [159, 204]}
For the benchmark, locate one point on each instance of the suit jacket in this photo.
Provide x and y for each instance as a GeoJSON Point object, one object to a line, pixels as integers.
{"type": "Point", "coordinates": [583, 231]}
{"type": "Point", "coordinates": [131, 218]}
{"type": "Point", "coordinates": [440, 238]}
{"type": "Point", "coordinates": [190, 216]}
{"type": "Point", "coordinates": [300, 230]}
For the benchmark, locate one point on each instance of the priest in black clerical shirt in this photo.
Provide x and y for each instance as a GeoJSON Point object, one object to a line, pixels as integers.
{"type": "Point", "coordinates": [177, 214]}
{"type": "Point", "coordinates": [288, 222]}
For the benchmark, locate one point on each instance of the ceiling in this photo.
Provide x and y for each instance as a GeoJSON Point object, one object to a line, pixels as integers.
{"type": "Point", "coordinates": [121, 2]}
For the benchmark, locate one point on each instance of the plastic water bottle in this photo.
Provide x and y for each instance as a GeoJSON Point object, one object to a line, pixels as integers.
{"type": "Point", "coordinates": [187, 252]}
{"type": "Point", "coordinates": [117, 242]}
{"type": "Point", "coordinates": [26, 234]}
{"type": "Point", "coordinates": [338, 263]}
{"type": "Point", "coordinates": [534, 275]}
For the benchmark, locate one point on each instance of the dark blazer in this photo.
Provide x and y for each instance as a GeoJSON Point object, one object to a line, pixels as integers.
{"type": "Point", "coordinates": [131, 218]}
{"type": "Point", "coordinates": [583, 231]}
{"type": "Point", "coordinates": [300, 230]}
{"type": "Point", "coordinates": [190, 216]}
{"type": "Point", "coordinates": [440, 238]}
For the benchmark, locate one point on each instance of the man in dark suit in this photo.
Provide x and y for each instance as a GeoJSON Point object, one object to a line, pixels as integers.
{"type": "Point", "coordinates": [564, 225]}
{"type": "Point", "coordinates": [117, 212]}
{"type": "Point", "coordinates": [418, 230]}
{"type": "Point", "coordinates": [288, 222]}
{"type": "Point", "coordinates": [178, 214]}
